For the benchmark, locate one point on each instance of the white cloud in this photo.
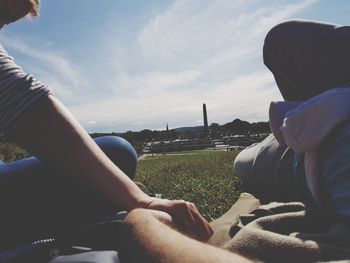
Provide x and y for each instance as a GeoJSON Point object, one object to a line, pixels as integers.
{"type": "Point", "coordinates": [151, 83]}
{"type": "Point", "coordinates": [50, 67]}
{"type": "Point", "coordinates": [246, 97]}
{"type": "Point", "coordinates": [139, 123]}
{"type": "Point", "coordinates": [196, 51]}
{"type": "Point", "coordinates": [194, 31]}
{"type": "Point", "coordinates": [181, 107]}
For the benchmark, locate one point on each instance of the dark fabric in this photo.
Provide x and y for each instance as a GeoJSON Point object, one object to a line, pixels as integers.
{"type": "Point", "coordinates": [88, 257]}
{"type": "Point", "coordinates": [100, 240]}
{"type": "Point", "coordinates": [266, 170]}
{"type": "Point", "coordinates": [308, 58]}
{"type": "Point", "coordinates": [37, 202]}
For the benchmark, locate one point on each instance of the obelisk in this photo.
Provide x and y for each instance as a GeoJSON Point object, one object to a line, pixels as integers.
{"type": "Point", "coordinates": [205, 117]}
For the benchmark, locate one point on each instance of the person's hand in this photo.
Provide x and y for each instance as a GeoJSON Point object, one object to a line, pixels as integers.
{"type": "Point", "coordinates": [184, 216]}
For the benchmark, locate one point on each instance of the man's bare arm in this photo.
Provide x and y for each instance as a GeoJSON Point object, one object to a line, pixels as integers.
{"type": "Point", "coordinates": [50, 132]}
{"type": "Point", "coordinates": [149, 239]}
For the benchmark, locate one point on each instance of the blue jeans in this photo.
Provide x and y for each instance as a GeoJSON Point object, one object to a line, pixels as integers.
{"type": "Point", "coordinates": [36, 201]}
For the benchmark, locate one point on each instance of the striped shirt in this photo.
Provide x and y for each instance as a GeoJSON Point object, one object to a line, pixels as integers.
{"type": "Point", "coordinates": [18, 91]}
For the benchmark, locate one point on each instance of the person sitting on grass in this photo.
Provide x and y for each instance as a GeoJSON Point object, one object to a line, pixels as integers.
{"type": "Point", "coordinates": [307, 156]}
{"type": "Point", "coordinates": [71, 181]}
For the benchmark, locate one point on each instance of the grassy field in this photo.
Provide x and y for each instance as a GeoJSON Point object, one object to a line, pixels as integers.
{"type": "Point", "coordinates": [10, 152]}
{"type": "Point", "coordinates": [203, 177]}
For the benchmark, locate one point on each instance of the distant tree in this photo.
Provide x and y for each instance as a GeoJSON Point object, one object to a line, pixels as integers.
{"type": "Point", "coordinates": [237, 126]}
{"type": "Point", "coordinates": [260, 127]}
{"type": "Point", "coordinates": [215, 130]}
{"type": "Point", "coordinates": [146, 134]}
{"type": "Point", "coordinates": [214, 126]}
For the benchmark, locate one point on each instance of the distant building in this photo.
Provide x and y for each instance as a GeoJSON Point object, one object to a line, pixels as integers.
{"type": "Point", "coordinates": [177, 145]}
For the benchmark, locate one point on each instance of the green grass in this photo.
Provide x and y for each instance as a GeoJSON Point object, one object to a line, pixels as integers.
{"type": "Point", "coordinates": [10, 152]}
{"type": "Point", "coordinates": [184, 152]}
{"type": "Point", "coordinates": [205, 178]}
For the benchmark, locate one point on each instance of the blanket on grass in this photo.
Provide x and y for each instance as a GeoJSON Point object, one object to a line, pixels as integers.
{"type": "Point", "coordinates": [281, 232]}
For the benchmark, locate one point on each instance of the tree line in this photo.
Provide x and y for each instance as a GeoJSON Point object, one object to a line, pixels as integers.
{"type": "Point", "coordinates": [11, 152]}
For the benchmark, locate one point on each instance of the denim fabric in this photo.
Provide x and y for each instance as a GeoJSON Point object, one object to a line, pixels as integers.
{"type": "Point", "coordinates": [266, 171]}
{"type": "Point", "coordinates": [37, 201]}
{"type": "Point", "coordinates": [89, 257]}
{"type": "Point", "coordinates": [300, 179]}
{"type": "Point", "coordinates": [121, 152]}
{"type": "Point", "coordinates": [335, 164]}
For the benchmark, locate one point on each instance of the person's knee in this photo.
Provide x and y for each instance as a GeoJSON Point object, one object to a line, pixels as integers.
{"type": "Point", "coordinates": [241, 169]}
{"type": "Point", "coordinates": [243, 164]}
{"type": "Point", "coordinates": [120, 152]}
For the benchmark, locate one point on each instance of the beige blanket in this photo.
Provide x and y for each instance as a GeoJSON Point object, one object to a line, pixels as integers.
{"type": "Point", "coordinates": [281, 232]}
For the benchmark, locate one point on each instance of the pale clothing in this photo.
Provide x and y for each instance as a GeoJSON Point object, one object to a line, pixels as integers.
{"type": "Point", "coordinates": [303, 126]}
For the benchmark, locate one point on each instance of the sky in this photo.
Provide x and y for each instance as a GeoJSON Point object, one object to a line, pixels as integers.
{"type": "Point", "coordinates": [130, 65]}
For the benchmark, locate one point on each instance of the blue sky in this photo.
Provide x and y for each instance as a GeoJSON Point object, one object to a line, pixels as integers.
{"type": "Point", "coordinates": [129, 65]}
